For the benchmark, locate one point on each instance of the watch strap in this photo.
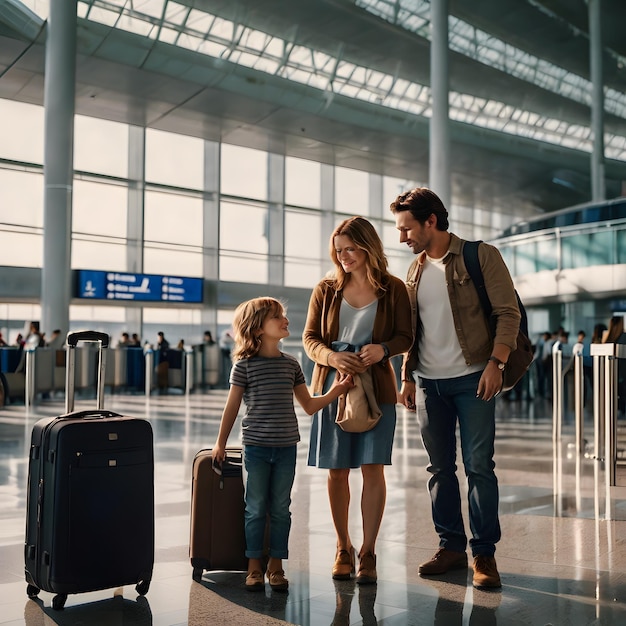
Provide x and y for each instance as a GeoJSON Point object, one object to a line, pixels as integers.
{"type": "Point", "coordinates": [501, 364]}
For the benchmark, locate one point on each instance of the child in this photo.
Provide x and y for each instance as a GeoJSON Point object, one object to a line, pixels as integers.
{"type": "Point", "coordinates": [267, 379]}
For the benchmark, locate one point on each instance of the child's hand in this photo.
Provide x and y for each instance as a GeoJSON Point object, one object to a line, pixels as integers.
{"type": "Point", "coordinates": [344, 382]}
{"type": "Point", "coordinates": [218, 453]}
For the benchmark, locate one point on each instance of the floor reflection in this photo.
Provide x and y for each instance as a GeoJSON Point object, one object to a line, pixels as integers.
{"type": "Point", "coordinates": [561, 557]}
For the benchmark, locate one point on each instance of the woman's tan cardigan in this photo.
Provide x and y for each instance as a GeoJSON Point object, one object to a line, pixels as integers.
{"type": "Point", "coordinates": [392, 326]}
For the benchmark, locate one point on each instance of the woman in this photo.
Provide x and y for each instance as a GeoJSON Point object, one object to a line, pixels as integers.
{"type": "Point", "coordinates": [364, 306]}
{"type": "Point", "coordinates": [598, 333]}
{"type": "Point", "coordinates": [615, 334]}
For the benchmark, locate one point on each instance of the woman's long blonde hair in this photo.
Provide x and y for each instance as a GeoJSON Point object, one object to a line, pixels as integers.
{"type": "Point", "coordinates": [247, 323]}
{"type": "Point", "coordinates": [364, 236]}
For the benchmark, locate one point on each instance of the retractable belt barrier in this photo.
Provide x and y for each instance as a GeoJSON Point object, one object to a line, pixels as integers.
{"type": "Point", "coordinates": [605, 392]}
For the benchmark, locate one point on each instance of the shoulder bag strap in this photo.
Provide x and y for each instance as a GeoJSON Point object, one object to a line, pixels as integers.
{"type": "Point", "coordinates": [470, 256]}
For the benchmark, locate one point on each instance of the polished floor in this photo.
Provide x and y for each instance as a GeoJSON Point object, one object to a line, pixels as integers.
{"type": "Point", "coordinates": [562, 557]}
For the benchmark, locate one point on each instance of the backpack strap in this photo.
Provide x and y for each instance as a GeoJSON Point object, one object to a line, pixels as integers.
{"type": "Point", "coordinates": [472, 264]}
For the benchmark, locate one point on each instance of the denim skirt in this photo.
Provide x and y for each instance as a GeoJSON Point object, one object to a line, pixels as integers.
{"type": "Point", "coordinates": [332, 448]}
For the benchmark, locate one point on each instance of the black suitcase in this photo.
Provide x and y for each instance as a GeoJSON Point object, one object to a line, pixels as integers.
{"type": "Point", "coordinates": [90, 501]}
{"type": "Point", "coordinates": [218, 539]}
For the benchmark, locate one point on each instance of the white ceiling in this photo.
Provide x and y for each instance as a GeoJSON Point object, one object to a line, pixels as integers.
{"type": "Point", "coordinates": [127, 77]}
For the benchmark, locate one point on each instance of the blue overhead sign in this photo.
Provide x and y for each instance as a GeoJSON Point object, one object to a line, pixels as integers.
{"type": "Point", "coordinates": [96, 285]}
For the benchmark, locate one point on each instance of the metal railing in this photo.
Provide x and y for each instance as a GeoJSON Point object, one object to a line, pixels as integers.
{"type": "Point", "coordinates": [605, 392]}
{"type": "Point", "coordinates": [43, 372]}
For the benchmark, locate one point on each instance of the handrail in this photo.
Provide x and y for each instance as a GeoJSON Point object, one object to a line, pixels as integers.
{"type": "Point", "coordinates": [605, 356]}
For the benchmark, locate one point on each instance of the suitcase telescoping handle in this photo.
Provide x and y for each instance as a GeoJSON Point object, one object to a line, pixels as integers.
{"type": "Point", "coordinates": [72, 341]}
{"type": "Point", "coordinates": [87, 335]}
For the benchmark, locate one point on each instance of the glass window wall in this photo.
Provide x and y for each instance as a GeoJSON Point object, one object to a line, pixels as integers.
{"type": "Point", "coordinates": [303, 247]}
{"type": "Point", "coordinates": [92, 253]}
{"type": "Point", "coordinates": [620, 244]}
{"type": "Point", "coordinates": [93, 200]}
{"type": "Point", "coordinates": [243, 172]}
{"type": "Point", "coordinates": [303, 183]}
{"type": "Point", "coordinates": [243, 242]}
{"type": "Point", "coordinates": [100, 146]}
{"type": "Point", "coordinates": [168, 232]}
{"type": "Point", "coordinates": [534, 256]}
{"type": "Point", "coordinates": [583, 250]}
{"type": "Point", "coordinates": [351, 191]}
{"type": "Point", "coordinates": [21, 197]}
{"type": "Point", "coordinates": [393, 187]}
{"type": "Point", "coordinates": [173, 218]}
{"type": "Point", "coordinates": [21, 129]}
{"type": "Point", "coordinates": [175, 160]}
{"type": "Point", "coordinates": [21, 217]}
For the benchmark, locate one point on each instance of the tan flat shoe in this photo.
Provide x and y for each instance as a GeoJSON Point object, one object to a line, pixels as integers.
{"type": "Point", "coordinates": [277, 580]}
{"type": "Point", "coordinates": [255, 581]}
{"type": "Point", "coordinates": [367, 569]}
{"type": "Point", "coordinates": [343, 567]}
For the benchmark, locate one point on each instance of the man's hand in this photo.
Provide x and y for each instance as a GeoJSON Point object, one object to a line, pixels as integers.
{"type": "Point", "coordinates": [490, 383]}
{"type": "Point", "coordinates": [407, 395]}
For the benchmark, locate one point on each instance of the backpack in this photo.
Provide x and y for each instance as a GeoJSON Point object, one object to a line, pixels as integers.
{"type": "Point", "coordinates": [520, 358]}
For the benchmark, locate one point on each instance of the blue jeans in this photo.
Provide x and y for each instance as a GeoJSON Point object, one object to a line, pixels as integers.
{"type": "Point", "coordinates": [449, 400]}
{"type": "Point", "coordinates": [269, 477]}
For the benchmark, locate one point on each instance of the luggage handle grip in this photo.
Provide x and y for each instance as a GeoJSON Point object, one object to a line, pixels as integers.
{"type": "Point", "coordinates": [87, 335]}
{"type": "Point", "coordinates": [71, 341]}
{"type": "Point", "coordinates": [91, 415]}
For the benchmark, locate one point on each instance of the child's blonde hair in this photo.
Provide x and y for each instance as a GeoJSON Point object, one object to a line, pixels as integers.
{"type": "Point", "coordinates": [248, 320]}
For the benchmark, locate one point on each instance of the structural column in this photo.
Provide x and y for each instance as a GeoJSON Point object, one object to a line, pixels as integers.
{"type": "Point", "coordinates": [598, 186]}
{"type": "Point", "coordinates": [211, 236]}
{"type": "Point", "coordinates": [439, 160]}
{"type": "Point", "coordinates": [378, 206]}
{"type": "Point", "coordinates": [135, 217]}
{"type": "Point", "coordinates": [276, 219]}
{"type": "Point", "coordinates": [59, 91]}
{"type": "Point", "coordinates": [327, 201]}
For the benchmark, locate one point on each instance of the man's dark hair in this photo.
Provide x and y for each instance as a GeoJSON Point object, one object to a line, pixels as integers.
{"type": "Point", "coordinates": [422, 202]}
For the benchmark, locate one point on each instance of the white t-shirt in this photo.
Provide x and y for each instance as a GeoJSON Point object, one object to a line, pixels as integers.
{"type": "Point", "coordinates": [440, 354]}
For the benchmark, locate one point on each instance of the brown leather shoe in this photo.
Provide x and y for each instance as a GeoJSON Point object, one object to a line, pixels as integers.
{"type": "Point", "coordinates": [367, 569]}
{"type": "Point", "coordinates": [442, 561]}
{"type": "Point", "coordinates": [344, 564]}
{"type": "Point", "coordinates": [255, 581]}
{"type": "Point", "coordinates": [277, 580]}
{"type": "Point", "coordinates": [485, 572]}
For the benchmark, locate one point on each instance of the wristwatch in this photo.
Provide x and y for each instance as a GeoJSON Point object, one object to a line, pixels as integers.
{"type": "Point", "coordinates": [501, 364]}
{"type": "Point", "coordinates": [386, 351]}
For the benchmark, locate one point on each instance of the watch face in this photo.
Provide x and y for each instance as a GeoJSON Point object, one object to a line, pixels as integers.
{"type": "Point", "coordinates": [498, 363]}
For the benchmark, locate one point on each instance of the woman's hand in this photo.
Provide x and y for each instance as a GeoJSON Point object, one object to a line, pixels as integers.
{"type": "Point", "coordinates": [347, 363]}
{"type": "Point", "coordinates": [371, 353]}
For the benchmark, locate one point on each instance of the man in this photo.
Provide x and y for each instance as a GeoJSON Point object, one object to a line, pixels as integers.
{"type": "Point", "coordinates": [226, 342]}
{"type": "Point", "coordinates": [459, 365]}
{"type": "Point", "coordinates": [163, 365]}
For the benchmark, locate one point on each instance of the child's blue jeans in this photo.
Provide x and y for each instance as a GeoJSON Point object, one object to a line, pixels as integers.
{"type": "Point", "coordinates": [270, 472]}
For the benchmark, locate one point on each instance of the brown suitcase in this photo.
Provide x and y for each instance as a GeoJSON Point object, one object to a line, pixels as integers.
{"type": "Point", "coordinates": [218, 539]}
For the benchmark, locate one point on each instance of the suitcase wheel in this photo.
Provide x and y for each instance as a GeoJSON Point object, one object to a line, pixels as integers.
{"type": "Point", "coordinates": [142, 587]}
{"type": "Point", "coordinates": [58, 602]}
{"type": "Point", "coordinates": [32, 591]}
{"type": "Point", "coordinates": [197, 574]}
